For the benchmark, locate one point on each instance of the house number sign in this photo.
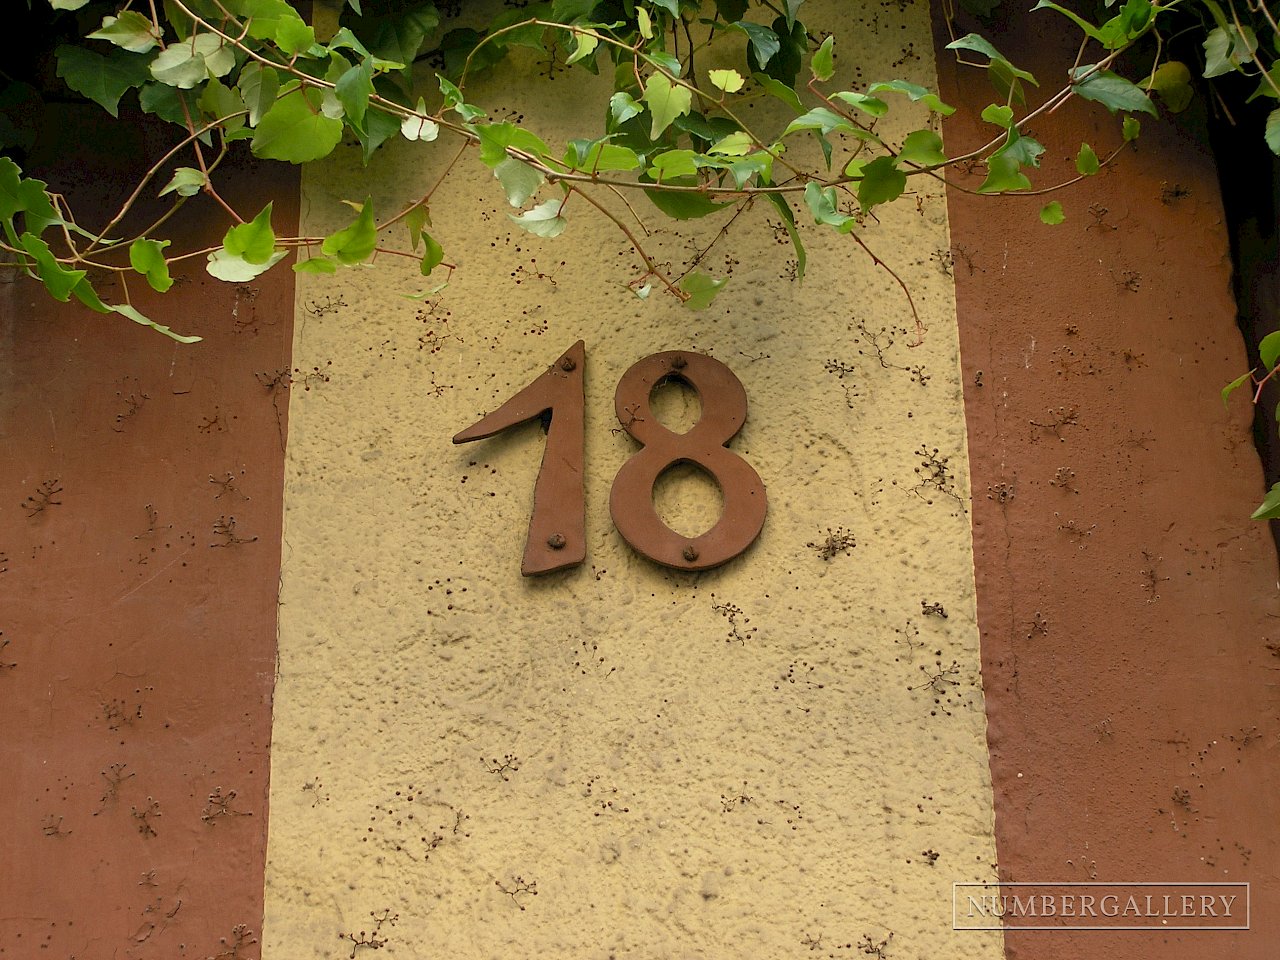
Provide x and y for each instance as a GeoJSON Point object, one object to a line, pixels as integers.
{"type": "Point", "coordinates": [557, 529]}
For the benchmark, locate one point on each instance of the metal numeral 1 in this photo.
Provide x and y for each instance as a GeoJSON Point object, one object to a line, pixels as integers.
{"type": "Point", "coordinates": [557, 529]}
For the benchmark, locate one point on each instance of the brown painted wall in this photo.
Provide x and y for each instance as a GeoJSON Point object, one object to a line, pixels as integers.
{"type": "Point", "coordinates": [137, 676]}
{"type": "Point", "coordinates": [1125, 602]}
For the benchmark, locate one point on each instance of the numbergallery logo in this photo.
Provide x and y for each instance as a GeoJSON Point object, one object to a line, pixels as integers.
{"type": "Point", "coordinates": [1100, 906]}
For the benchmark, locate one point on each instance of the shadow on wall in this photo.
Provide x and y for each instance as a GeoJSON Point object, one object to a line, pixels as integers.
{"type": "Point", "coordinates": [1250, 177]}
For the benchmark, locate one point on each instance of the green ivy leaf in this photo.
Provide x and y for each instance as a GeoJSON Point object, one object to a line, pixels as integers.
{"type": "Point", "coordinates": [821, 119]}
{"type": "Point", "coordinates": [544, 220]}
{"type": "Point", "coordinates": [415, 220]}
{"type": "Point", "coordinates": [258, 86]}
{"type": "Point", "coordinates": [58, 280]}
{"type": "Point", "coordinates": [379, 127]}
{"type": "Point", "coordinates": [823, 63]}
{"type": "Point", "coordinates": [821, 202]}
{"type": "Point", "coordinates": [701, 289]}
{"type": "Point", "coordinates": [255, 241]}
{"type": "Point", "coordinates": [778, 89]}
{"type": "Point", "coordinates": [1051, 213]}
{"type": "Point", "coordinates": [1269, 349]}
{"type": "Point", "coordinates": [519, 180]}
{"type": "Point", "coordinates": [10, 188]}
{"type": "Point", "coordinates": [273, 20]}
{"type": "Point", "coordinates": [38, 213]}
{"type": "Point", "coordinates": [1126, 26]}
{"type": "Point", "coordinates": [429, 292]}
{"type": "Point", "coordinates": [922, 147]}
{"type": "Point", "coordinates": [1004, 174]}
{"type": "Point", "coordinates": [453, 101]}
{"type": "Point", "coordinates": [915, 92]}
{"type": "Point", "coordinates": [236, 269]}
{"type": "Point", "coordinates": [665, 62]}
{"type": "Point", "coordinates": [1273, 131]}
{"type": "Point", "coordinates": [218, 101]}
{"type": "Point", "coordinates": [585, 44]}
{"type": "Point", "coordinates": [1234, 385]}
{"type": "Point", "coordinates": [190, 62]}
{"type": "Point", "coordinates": [758, 164]}
{"type": "Point", "coordinates": [102, 79]}
{"type": "Point", "coordinates": [1132, 126]}
{"type": "Point", "coordinates": [789, 221]}
{"type": "Point", "coordinates": [1227, 49]}
{"type": "Point", "coordinates": [85, 293]}
{"type": "Point", "coordinates": [295, 130]}
{"type": "Point", "coordinates": [496, 138]}
{"type": "Point", "coordinates": [736, 144]}
{"type": "Point", "coordinates": [764, 42]}
{"type": "Point", "coordinates": [147, 257]}
{"type": "Point", "coordinates": [881, 182]}
{"type": "Point", "coordinates": [683, 206]}
{"type": "Point", "coordinates": [186, 182]}
{"type": "Point", "coordinates": [1111, 90]}
{"type": "Point", "coordinates": [1024, 150]}
{"type": "Point", "coordinates": [295, 36]}
{"type": "Point", "coordinates": [1087, 161]}
{"type": "Point", "coordinates": [353, 90]}
{"type": "Point", "coordinates": [1089, 29]}
{"type": "Point", "coordinates": [1269, 85]}
{"type": "Point", "coordinates": [315, 265]}
{"type": "Point", "coordinates": [399, 32]}
{"type": "Point", "coordinates": [623, 106]}
{"type": "Point", "coordinates": [353, 244]}
{"type": "Point", "coordinates": [433, 254]}
{"type": "Point", "coordinates": [998, 114]}
{"type": "Point", "coordinates": [1006, 84]}
{"type": "Point", "coordinates": [600, 156]}
{"type": "Point", "coordinates": [666, 102]}
{"type": "Point", "coordinates": [672, 164]}
{"type": "Point", "coordinates": [129, 31]}
{"type": "Point", "coordinates": [973, 42]}
{"type": "Point", "coordinates": [1172, 80]}
{"type": "Point", "coordinates": [1269, 509]}
{"type": "Point", "coordinates": [125, 310]}
{"type": "Point", "coordinates": [730, 81]}
{"type": "Point", "coordinates": [785, 64]}
{"type": "Point", "coordinates": [872, 106]}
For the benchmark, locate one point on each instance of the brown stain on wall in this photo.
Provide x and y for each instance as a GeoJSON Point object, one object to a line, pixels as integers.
{"type": "Point", "coordinates": [136, 683]}
{"type": "Point", "coordinates": [1125, 601]}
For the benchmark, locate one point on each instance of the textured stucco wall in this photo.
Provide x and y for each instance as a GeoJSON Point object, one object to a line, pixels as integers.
{"type": "Point", "coordinates": [746, 759]}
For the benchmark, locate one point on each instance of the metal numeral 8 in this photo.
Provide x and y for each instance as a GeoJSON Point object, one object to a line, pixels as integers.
{"type": "Point", "coordinates": [724, 410]}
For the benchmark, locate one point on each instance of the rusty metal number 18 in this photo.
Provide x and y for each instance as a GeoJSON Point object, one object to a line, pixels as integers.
{"type": "Point", "coordinates": [557, 529]}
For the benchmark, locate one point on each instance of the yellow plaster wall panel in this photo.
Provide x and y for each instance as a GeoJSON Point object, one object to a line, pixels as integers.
{"type": "Point", "coordinates": [685, 765]}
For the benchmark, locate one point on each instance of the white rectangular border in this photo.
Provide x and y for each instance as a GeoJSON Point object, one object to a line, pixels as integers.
{"type": "Point", "coordinates": [956, 885]}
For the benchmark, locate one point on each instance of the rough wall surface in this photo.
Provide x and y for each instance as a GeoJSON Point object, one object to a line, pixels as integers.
{"type": "Point", "coordinates": [765, 759]}
{"type": "Point", "coordinates": [1127, 612]}
{"type": "Point", "coordinates": [137, 644]}
{"type": "Point", "coordinates": [754, 758]}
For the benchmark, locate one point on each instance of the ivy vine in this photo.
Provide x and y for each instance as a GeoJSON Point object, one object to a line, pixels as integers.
{"type": "Point", "coordinates": [675, 134]}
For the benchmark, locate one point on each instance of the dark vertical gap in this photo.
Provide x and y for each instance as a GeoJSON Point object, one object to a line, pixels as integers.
{"type": "Point", "coordinates": [1250, 178]}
